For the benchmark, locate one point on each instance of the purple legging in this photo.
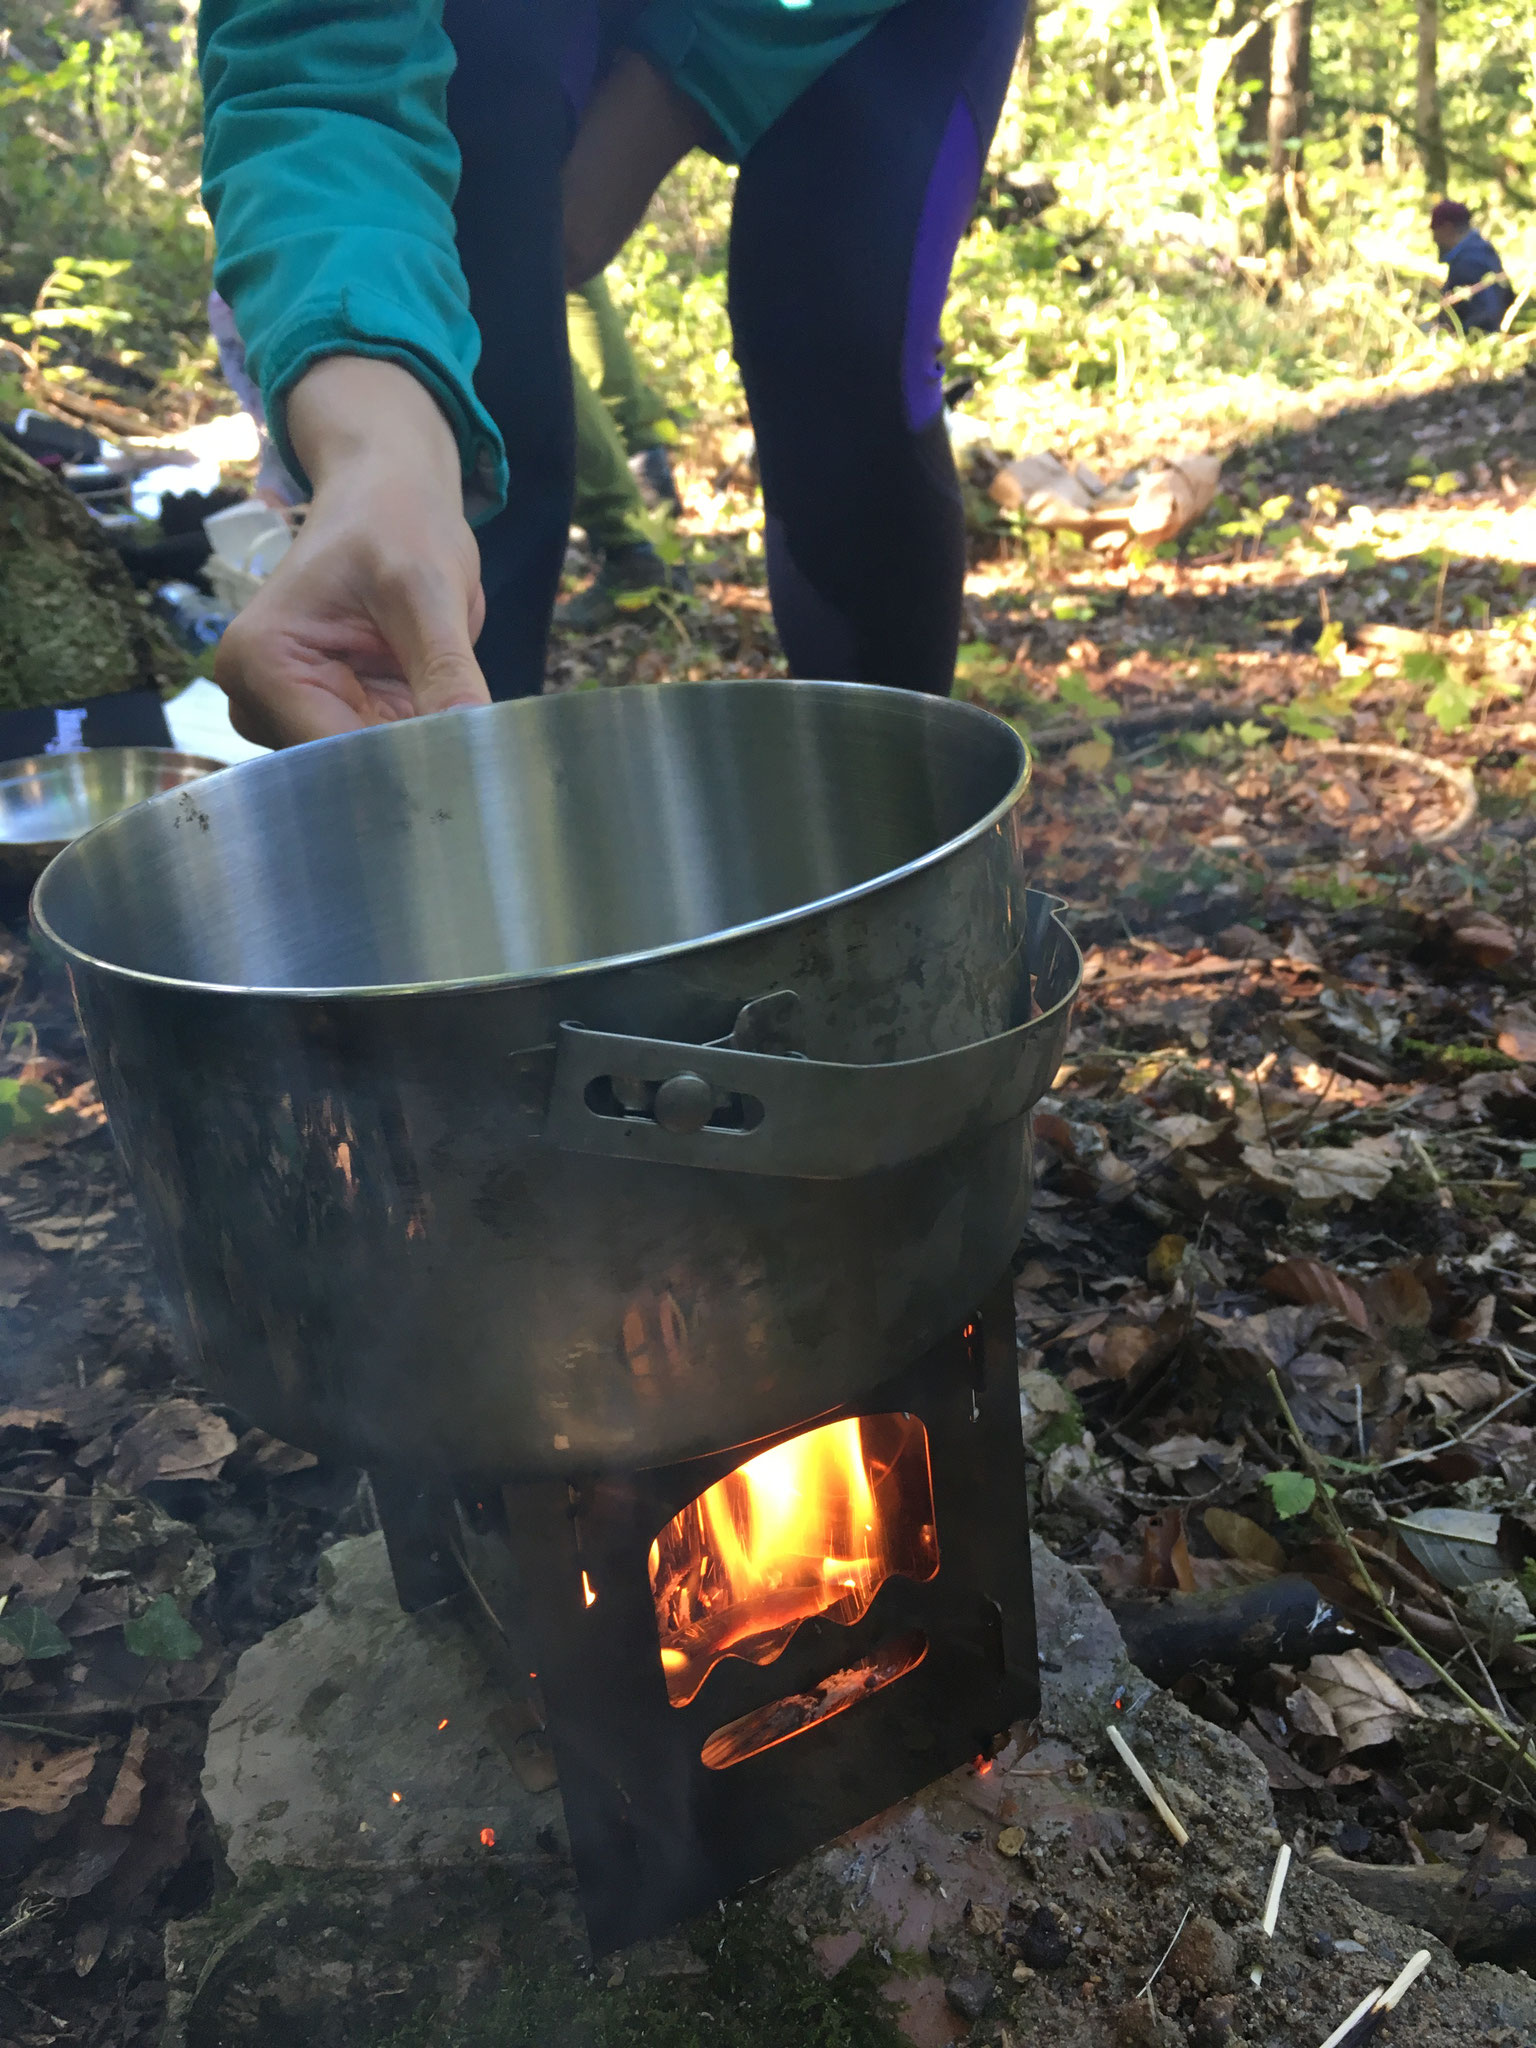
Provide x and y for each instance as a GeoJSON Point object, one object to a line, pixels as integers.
{"type": "Point", "coordinates": [847, 216]}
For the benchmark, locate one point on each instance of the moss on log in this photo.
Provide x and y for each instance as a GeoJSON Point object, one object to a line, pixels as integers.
{"type": "Point", "coordinates": [71, 624]}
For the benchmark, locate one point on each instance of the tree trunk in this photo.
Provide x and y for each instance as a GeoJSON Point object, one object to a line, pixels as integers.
{"type": "Point", "coordinates": [1250, 67]}
{"type": "Point", "coordinates": [1431, 138]}
{"type": "Point", "coordinates": [1290, 93]}
{"type": "Point", "coordinates": [71, 624]}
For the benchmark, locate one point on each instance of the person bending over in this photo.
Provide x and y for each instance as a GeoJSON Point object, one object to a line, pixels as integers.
{"type": "Point", "coordinates": [403, 191]}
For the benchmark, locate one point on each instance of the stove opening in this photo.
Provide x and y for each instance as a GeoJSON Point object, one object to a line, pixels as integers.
{"type": "Point", "coordinates": [797, 1711]}
{"type": "Point", "coordinates": [813, 1527]}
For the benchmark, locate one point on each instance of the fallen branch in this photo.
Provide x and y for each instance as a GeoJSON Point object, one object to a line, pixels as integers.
{"type": "Point", "coordinates": [1280, 1621]}
{"type": "Point", "coordinates": [1493, 1908]}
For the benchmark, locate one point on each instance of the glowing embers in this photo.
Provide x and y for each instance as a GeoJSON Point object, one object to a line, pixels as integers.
{"type": "Point", "coordinates": [814, 1526]}
{"type": "Point", "coordinates": [765, 1726]}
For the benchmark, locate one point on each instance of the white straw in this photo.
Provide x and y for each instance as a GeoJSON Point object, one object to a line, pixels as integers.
{"type": "Point", "coordinates": [1412, 1970]}
{"type": "Point", "coordinates": [1342, 2033]}
{"type": "Point", "coordinates": [1133, 1764]}
{"type": "Point", "coordinates": [1276, 1887]}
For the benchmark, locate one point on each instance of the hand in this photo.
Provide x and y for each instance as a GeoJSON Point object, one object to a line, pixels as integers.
{"type": "Point", "coordinates": [373, 613]}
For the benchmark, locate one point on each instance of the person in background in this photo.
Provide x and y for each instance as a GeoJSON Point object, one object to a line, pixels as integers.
{"type": "Point", "coordinates": [273, 485]}
{"type": "Point", "coordinates": [403, 192]}
{"type": "Point", "coordinates": [622, 468]}
{"type": "Point", "coordinates": [1477, 294]}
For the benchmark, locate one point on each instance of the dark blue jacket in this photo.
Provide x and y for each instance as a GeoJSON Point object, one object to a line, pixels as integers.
{"type": "Point", "coordinates": [1466, 265]}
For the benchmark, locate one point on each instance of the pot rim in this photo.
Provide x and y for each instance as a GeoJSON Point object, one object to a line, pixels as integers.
{"type": "Point", "coordinates": [574, 970]}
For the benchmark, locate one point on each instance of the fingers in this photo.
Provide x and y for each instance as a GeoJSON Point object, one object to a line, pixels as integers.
{"type": "Point", "coordinates": [426, 619]}
{"type": "Point", "coordinates": [282, 702]}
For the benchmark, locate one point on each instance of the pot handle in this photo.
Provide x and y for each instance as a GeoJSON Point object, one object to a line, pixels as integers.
{"type": "Point", "coordinates": [658, 1100]}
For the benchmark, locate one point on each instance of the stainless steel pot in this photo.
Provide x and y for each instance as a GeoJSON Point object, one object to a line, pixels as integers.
{"type": "Point", "coordinates": [593, 1080]}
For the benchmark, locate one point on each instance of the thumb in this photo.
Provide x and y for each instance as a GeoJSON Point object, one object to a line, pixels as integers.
{"type": "Point", "coordinates": [429, 632]}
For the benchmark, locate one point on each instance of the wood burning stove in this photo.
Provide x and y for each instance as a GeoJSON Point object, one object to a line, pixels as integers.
{"type": "Point", "coordinates": [738, 1657]}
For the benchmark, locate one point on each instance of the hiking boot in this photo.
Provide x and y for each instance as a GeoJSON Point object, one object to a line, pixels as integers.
{"type": "Point", "coordinates": [631, 571]}
{"type": "Point", "coordinates": [652, 471]}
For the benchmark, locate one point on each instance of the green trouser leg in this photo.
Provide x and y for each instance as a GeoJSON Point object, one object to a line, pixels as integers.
{"type": "Point", "coordinates": [601, 351]}
{"type": "Point", "coordinates": [608, 506]}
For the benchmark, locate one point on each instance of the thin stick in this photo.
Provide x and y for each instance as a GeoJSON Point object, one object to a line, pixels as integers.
{"type": "Point", "coordinates": [1167, 1952]}
{"type": "Point", "coordinates": [1318, 1473]}
{"type": "Point", "coordinates": [1367, 2004]}
{"type": "Point", "coordinates": [1410, 1973]}
{"type": "Point", "coordinates": [1164, 1811]}
{"type": "Point", "coordinates": [1276, 1887]}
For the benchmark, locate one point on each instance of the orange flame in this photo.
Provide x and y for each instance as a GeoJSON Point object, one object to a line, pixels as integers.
{"type": "Point", "coordinates": [814, 1526]}
{"type": "Point", "coordinates": [589, 1598]}
{"type": "Point", "coordinates": [487, 1838]}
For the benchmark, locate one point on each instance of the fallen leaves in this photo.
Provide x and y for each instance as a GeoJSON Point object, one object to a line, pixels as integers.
{"type": "Point", "coordinates": [1484, 940]}
{"type": "Point", "coordinates": [1456, 1546]}
{"type": "Point", "coordinates": [1240, 1536]}
{"type": "Point", "coordinates": [1311, 1284]}
{"type": "Point", "coordinates": [37, 1779]}
{"type": "Point", "coordinates": [1367, 1706]}
{"type": "Point", "coordinates": [174, 1440]}
{"type": "Point", "coordinates": [127, 1794]}
{"type": "Point", "coordinates": [1460, 1389]}
{"type": "Point", "coordinates": [1325, 1174]}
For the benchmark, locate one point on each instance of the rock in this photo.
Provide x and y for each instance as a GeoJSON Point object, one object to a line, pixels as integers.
{"type": "Point", "coordinates": [1041, 1941]}
{"type": "Point", "coordinates": [970, 1995]}
{"type": "Point", "coordinates": [1139, 2024]}
{"type": "Point", "coordinates": [1213, 2022]}
{"type": "Point", "coordinates": [337, 1711]}
{"type": "Point", "coordinates": [1204, 1957]}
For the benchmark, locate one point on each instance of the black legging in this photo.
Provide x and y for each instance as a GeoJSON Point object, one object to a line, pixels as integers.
{"type": "Point", "coordinates": [847, 216]}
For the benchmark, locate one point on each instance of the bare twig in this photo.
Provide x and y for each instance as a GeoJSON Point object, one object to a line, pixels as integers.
{"type": "Point", "coordinates": [1146, 1988]}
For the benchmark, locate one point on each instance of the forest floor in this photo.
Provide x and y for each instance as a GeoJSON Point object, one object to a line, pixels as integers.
{"type": "Point", "coordinates": [1295, 1135]}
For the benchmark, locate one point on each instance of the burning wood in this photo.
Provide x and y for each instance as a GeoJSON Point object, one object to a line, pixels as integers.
{"type": "Point", "coordinates": [814, 1526]}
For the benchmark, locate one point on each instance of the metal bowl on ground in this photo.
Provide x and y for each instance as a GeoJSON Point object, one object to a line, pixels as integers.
{"type": "Point", "coordinates": [48, 801]}
{"type": "Point", "coordinates": [581, 1082]}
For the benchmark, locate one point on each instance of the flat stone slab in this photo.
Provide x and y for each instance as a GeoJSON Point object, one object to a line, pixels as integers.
{"type": "Point", "coordinates": [1023, 1900]}
{"type": "Point", "coordinates": [356, 1736]}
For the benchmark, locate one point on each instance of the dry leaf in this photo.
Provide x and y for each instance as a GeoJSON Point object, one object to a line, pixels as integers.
{"type": "Point", "coordinates": [1255, 1346]}
{"type": "Point", "coordinates": [1326, 1173]}
{"type": "Point", "coordinates": [1477, 1326]}
{"type": "Point", "coordinates": [175, 1440]}
{"type": "Point", "coordinates": [1183, 1454]}
{"type": "Point", "coordinates": [1461, 1390]}
{"type": "Point", "coordinates": [1457, 1546]}
{"type": "Point", "coordinates": [270, 1455]}
{"type": "Point", "coordinates": [1180, 1132]}
{"type": "Point", "coordinates": [1313, 1284]}
{"type": "Point", "coordinates": [1118, 1350]}
{"type": "Point", "coordinates": [1517, 1031]}
{"type": "Point", "coordinates": [1399, 1300]}
{"type": "Point", "coordinates": [1485, 940]}
{"type": "Point", "coordinates": [1165, 1562]}
{"type": "Point", "coordinates": [1239, 1536]}
{"type": "Point", "coordinates": [1042, 1398]}
{"type": "Point", "coordinates": [38, 1779]}
{"type": "Point", "coordinates": [122, 1807]}
{"type": "Point", "coordinates": [1309, 1715]}
{"type": "Point", "coordinates": [1284, 1773]}
{"type": "Point", "coordinates": [1367, 1705]}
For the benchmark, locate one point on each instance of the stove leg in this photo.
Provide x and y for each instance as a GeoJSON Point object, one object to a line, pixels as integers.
{"type": "Point", "coordinates": [417, 1521]}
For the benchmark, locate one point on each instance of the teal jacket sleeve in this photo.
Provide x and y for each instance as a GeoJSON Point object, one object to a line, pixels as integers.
{"type": "Point", "coordinates": [329, 174]}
